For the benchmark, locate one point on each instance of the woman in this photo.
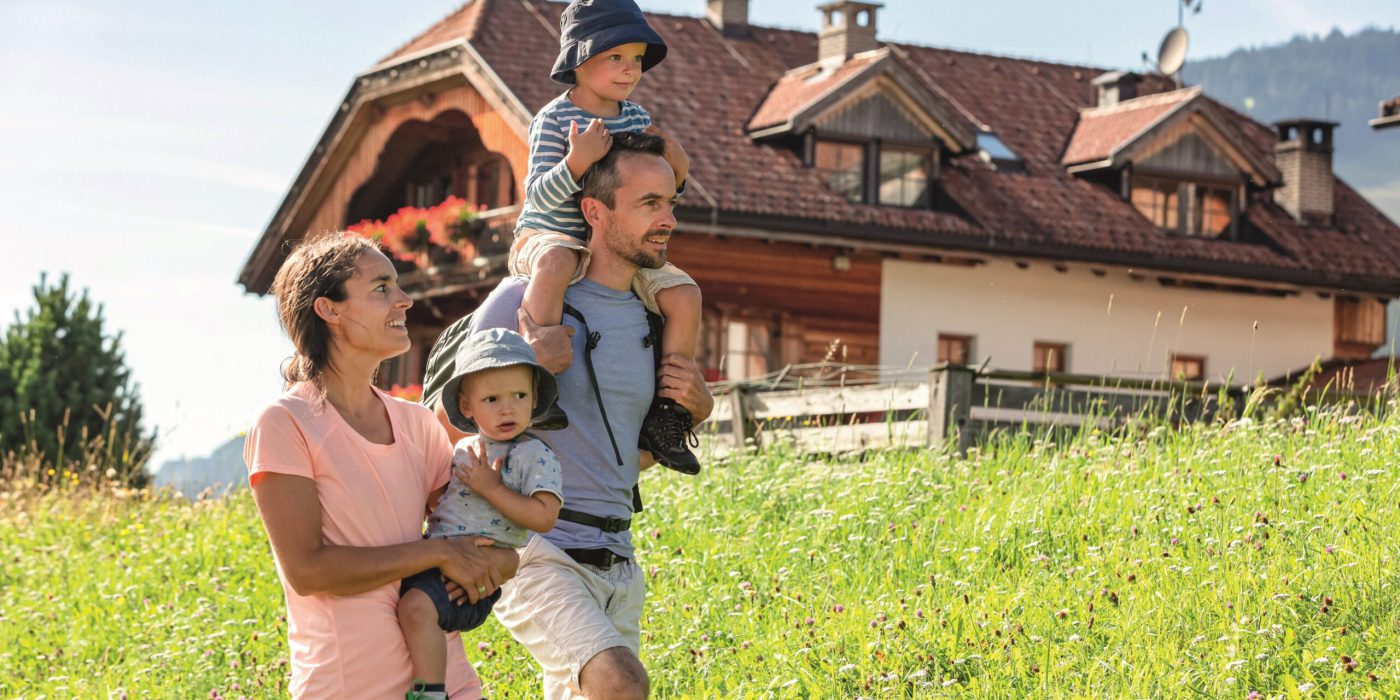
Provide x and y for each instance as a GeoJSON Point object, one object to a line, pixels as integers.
{"type": "Point", "coordinates": [343, 476]}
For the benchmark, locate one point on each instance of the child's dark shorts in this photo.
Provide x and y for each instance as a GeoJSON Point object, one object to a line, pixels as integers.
{"type": "Point", "coordinates": [451, 616]}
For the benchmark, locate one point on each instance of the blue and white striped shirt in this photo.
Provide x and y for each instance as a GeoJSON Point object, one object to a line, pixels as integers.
{"type": "Point", "coordinates": [549, 188]}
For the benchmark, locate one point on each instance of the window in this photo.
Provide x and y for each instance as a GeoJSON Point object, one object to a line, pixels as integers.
{"type": "Point", "coordinates": [429, 192]}
{"type": "Point", "coordinates": [491, 183]}
{"type": "Point", "coordinates": [1158, 201]}
{"type": "Point", "coordinates": [746, 350]}
{"type": "Point", "coordinates": [1189, 368]}
{"type": "Point", "coordinates": [995, 151]}
{"type": "Point", "coordinates": [956, 349]}
{"type": "Point", "coordinates": [1213, 205]}
{"type": "Point", "coordinates": [904, 176]}
{"type": "Point", "coordinates": [842, 165]}
{"type": "Point", "coordinates": [1190, 208]}
{"type": "Point", "coordinates": [1050, 357]}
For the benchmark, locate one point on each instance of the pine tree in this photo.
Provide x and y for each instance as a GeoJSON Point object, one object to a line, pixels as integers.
{"type": "Point", "coordinates": [66, 395]}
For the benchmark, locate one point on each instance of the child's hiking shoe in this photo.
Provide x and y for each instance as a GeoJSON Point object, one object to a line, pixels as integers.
{"type": "Point", "coordinates": [665, 434]}
{"type": "Point", "coordinates": [553, 418]}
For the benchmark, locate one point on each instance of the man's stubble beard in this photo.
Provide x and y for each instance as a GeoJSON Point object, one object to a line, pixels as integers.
{"type": "Point", "coordinates": [635, 255]}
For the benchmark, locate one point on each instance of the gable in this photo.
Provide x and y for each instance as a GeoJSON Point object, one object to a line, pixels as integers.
{"type": "Point", "coordinates": [1188, 153]}
{"type": "Point", "coordinates": [1191, 141]}
{"type": "Point", "coordinates": [871, 96]}
{"type": "Point", "coordinates": [875, 116]}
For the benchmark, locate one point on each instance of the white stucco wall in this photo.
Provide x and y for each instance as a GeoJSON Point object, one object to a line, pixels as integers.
{"type": "Point", "coordinates": [1007, 309]}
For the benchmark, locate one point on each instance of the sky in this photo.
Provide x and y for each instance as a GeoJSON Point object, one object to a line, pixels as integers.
{"type": "Point", "coordinates": [144, 146]}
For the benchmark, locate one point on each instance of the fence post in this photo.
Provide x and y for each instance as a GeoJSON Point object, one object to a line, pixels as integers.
{"type": "Point", "coordinates": [741, 428]}
{"type": "Point", "coordinates": [950, 405]}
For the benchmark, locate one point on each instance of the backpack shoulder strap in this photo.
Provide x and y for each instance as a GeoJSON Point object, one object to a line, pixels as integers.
{"type": "Point", "coordinates": [590, 342]}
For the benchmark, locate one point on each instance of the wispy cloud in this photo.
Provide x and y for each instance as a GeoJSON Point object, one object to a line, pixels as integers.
{"type": "Point", "coordinates": [188, 167]}
{"type": "Point", "coordinates": [125, 162]}
{"type": "Point", "coordinates": [162, 225]}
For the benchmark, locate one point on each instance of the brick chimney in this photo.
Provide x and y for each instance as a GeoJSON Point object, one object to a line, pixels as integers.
{"type": "Point", "coordinates": [1304, 158]}
{"type": "Point", "coordinates": [848, 28]}
{"type": "Point", "coordinates": [730, 17]}
{"type": "Point", "coordinates": [1116, 86]}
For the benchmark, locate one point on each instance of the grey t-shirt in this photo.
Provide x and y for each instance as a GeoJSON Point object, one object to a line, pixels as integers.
{"type": "Point", "coordinates": [594, 482]}
{"type": "Point", "coordinates": [528, 469]}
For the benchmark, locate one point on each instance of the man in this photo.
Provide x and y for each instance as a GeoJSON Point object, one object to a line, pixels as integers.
{"type": "Point", "coordinates": [576, 600]}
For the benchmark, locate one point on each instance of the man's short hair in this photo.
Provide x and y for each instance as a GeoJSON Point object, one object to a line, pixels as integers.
{"type": "Point", "coordinates": [602, 179]}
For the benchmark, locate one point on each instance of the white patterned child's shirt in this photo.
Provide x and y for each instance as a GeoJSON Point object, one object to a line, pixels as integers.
{"type": "Point", "coordinates": [530, 468]}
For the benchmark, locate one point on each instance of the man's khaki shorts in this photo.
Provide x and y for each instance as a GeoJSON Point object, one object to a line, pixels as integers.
{"type": "Point", "coordinates": [530, 244]}
{"type": "Point", "coordinates": [566, 613]}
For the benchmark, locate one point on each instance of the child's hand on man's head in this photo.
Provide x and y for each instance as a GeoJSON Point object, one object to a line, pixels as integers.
{"type": "Point", "coordinates": [587, 147]}
{"type": "Point", "coordinates": [674, 155]}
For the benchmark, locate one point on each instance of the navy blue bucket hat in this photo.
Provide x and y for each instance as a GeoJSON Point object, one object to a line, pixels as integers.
{"type": "Point", "coordinates": [589, 27]}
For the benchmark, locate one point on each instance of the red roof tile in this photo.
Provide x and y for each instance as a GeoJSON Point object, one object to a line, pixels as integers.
{"type": "Point", "coordinates": [458, 25]}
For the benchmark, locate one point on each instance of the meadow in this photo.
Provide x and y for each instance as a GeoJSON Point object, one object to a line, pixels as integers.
{"type": "Point", "coordinates": [1255, 559]}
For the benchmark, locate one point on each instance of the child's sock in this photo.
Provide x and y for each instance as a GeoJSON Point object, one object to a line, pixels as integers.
{"type": "Point", "coordinates": [427, 691]}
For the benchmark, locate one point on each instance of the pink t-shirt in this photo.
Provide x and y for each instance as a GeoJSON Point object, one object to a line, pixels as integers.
{"type": "Point", "coordinates": [371, 495]}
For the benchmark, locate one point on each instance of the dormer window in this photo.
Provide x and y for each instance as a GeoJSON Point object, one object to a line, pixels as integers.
{"type": "Point", "coordinates": [1188, 208]}
{"type": "Point", "coordinates": [902, 179]}
{"type": "Point", "coordinates": [842, 165]}
{"type": "Point", "coordinates": [1176, 156]}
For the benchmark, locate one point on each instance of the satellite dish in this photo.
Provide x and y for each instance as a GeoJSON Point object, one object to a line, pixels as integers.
{"type": "Point", "coordinates": [1173, 52]}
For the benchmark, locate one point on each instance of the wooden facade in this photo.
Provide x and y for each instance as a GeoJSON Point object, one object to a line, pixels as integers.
{"type": "Point", "coordinates": [458, 111]}
{"type": "Point", "coordinates": [1359, 327]}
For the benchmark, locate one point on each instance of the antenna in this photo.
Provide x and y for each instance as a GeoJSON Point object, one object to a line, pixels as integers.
{"type": "Point", "coordinates": [1172, 55]}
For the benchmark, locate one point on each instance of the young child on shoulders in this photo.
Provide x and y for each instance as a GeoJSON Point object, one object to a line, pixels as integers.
{"type": "Point", "coordinates": [505, 484]}
{"type": "Point", "coordinates": [605, 46]}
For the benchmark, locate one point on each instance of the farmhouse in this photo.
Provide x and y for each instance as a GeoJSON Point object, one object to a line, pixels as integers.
{"type": "Point", "coordinates": [916, 204]}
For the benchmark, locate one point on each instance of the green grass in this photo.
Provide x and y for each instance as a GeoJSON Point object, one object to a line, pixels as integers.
{"type": "Point", "coordinates": [1173, 564]}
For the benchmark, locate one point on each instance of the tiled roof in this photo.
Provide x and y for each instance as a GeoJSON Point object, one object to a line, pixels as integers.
{"type": "Point", "coordinates": [801, 87]}
{"type": "Point", "coordinates": [460, 24]}
{"type": "Point", "coordinates": [1102, 130]}
{"type": "Point", "coordinates": [711, 88]}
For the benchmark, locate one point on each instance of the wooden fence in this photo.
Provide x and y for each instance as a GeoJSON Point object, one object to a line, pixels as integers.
{"type": "Point", "coordinates": [955, 402]}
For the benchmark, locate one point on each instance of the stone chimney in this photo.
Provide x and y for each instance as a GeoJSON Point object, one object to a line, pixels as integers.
{"type": "Point", "coordinates": [848, 28]}
{"type": "Point", "coordinates": [1304, 158]}
{"type": "Point", "coordinates": [730, 17]}
{"type": "Point", "coordinates": [1116, 86]}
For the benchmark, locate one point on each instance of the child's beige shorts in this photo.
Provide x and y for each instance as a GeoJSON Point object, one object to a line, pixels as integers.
{"type": "Point", "coordinates": [530, 244]}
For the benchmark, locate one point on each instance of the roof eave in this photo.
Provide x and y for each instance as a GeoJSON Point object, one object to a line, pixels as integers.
{"type": "Point", "coordinates": [1385, 122]}
{"type": "Point", "coordinates": [404, 73]}
{"type": "Point", "coordinates": [1087, 166]}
